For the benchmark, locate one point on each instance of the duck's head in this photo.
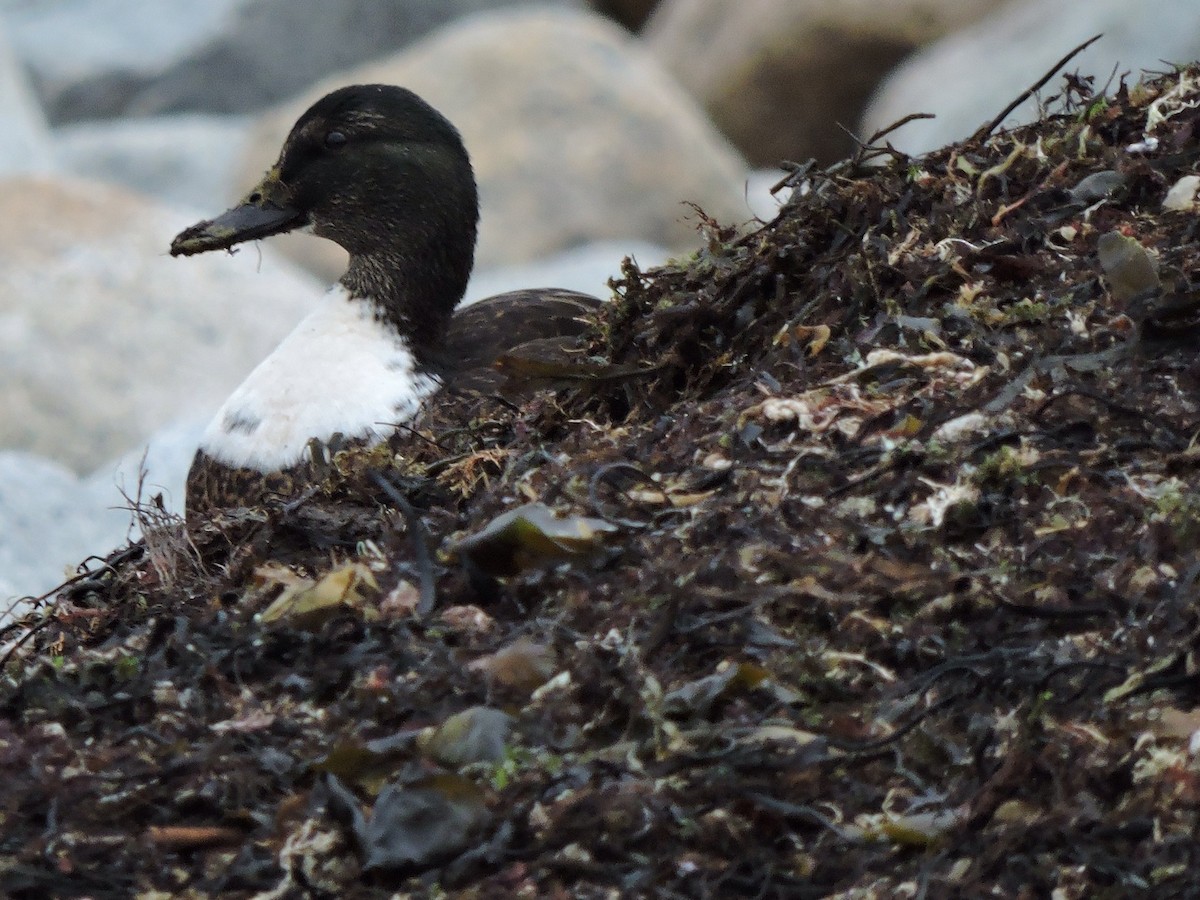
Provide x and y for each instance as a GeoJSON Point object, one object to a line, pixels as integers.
{"type": "Point", "coordinates": [379, 171]}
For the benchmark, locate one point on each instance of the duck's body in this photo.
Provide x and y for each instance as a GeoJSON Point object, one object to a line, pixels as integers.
{"type": "Point", "coordinates": [377, 170]}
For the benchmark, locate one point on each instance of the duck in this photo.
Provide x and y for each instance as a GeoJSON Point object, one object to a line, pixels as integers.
{"type": "Point", "coordinates": [379, 171]}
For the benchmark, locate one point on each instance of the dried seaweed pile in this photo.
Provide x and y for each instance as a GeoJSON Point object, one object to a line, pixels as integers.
{"type": "Point", "coordinates": [874, 573]}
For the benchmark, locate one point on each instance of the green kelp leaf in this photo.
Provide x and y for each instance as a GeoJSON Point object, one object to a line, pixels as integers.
{"type": "Point", "coordinates": [477, 734]}
{"type": "Point", "coordinates": [783, 734]}
{"type": "Point", "coordinates": [1138, 678]}
{"type": "Point", "coordinates": [531, 536]}
{"type": "Point", "coordinates": [369, 764]}
{"type": "Point", "coordinates": [1130, 268]}
{"type": "Point", "coordinates": [920, 829]}
{"type": "Point", "coordinates": [415, 826]}
{"type": "Point", "coordinates": [348, 761]}
{"type": "Point", "coordinates": [309, 604]}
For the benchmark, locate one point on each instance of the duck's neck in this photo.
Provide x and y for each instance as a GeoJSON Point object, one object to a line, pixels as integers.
{"type": "Point", "coordinates": [415, 289]}
{"type": "Point", "coordinates": [417, 305]}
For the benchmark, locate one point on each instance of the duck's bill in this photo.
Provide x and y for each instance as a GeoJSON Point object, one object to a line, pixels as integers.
{"type": "Point", "coordinates": [247, 222]}
{"type": "Point", "coordinates": [265, 211]}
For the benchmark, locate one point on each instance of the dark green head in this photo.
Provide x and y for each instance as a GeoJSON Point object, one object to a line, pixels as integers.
{"type": "Point", "coordinates": [379, 171]}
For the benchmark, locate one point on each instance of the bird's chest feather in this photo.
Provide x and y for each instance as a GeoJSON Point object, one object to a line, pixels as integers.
{"type": "Point", "coordinates": [341, 371]}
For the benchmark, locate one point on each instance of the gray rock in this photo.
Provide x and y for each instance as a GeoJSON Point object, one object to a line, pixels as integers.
{"type": "Point", "coordinates": [103, 337]}
{"type": "Point", "coordinates": [94, 54]}
{"type": "Point", "coordinates": [186, 160]}
{"type": "Point", "coordinates": [157, 467]}
{"type": "Point", "coordinates": [1019, 43]}
{"type": "Point", "coordinates": [778, 76]}
{"type": "Point", "coordinates": [47, 525]}
{"type": "Point", "coordinates": [51, 520]}
{"type": "Point", "coordinates": [26, 143]}
{"type": "Point", "coordinates": [575, 132]}
{"type": "Point", "coordinates": [230, 56]}
{"type": "Point", "coordinates": [318, 37]}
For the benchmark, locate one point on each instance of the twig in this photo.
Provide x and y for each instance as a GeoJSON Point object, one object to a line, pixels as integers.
{"type": "Point", "coordinates": [33, 629]}
{"type": "Point", "coordinates": [857, 748]}
{"type": "Point", "coordinates": [1030, 91]}
{"type": "Point", "coordinates": [868, 150]}
{"type": "Point", "coordinates": [194, 837]}
{"type": "Point", "coordinates": [794, 171]}
{"type": "Point", "coordinates": [420, 544]}
{"type": "Point", "coordinates": [899, 123]}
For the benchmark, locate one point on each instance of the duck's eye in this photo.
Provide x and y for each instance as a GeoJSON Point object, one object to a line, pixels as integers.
{"type": "Point", "coordinates": [335, 140]}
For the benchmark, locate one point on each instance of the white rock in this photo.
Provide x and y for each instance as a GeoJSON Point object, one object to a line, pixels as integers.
{"type": "Point", "coordinates": [759, 198]}
{"type": "Point", "coordinates": [25, 146]}
{"type": "Point", "coordinates": [66, 42]}
{"type": "Point", "coordinates": [968, 78]}
{"type": "Point", "coordinates": [159, 466]}
{"type": "Point", "coordinates": [51, 519]}
{"type": "Point", "coordinates": [183, 159]}
{"type": "Point", "coordinates": [44, 526]}
{"type": "Point", "coordinates": [1182, 195]}
{"type": "Point", "coordinates": [104, 338]}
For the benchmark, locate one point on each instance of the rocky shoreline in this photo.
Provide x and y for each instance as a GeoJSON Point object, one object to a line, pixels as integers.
{"type": "Point", "coordinates": [589, 139]}
{"type": "Point", "coordinates": [862, 563]}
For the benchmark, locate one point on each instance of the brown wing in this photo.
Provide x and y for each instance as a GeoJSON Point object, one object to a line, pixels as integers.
{"type": "Point", "coordinates": [536, 322]}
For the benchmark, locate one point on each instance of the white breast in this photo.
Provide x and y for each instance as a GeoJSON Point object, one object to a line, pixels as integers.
{"type": "Point", "coordinates": [340, 371]}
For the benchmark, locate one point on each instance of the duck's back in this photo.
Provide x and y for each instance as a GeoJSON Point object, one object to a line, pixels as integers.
{"type": "Point", "coordinates": [527, 322]}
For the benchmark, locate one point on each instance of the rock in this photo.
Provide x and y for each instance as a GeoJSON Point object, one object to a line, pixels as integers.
{"type": "Point", "coordinates": [183, 159]}
{"type": "Point", "coordinates": [230, 56]}
{"type": "Point", "coordinates": [575, 133]}
{"type": "Point", "coordinates": [89, 57]}
{"type": "Point", "coordinates": [317, 41]}
{"type": "Point", "coordinates": [777, 76]}
{"type": "Point", "coordinates": [103, 337]}
{"type": "Point", "coordinates": [26, 145]}
{"type": "Point", "coordinates": [1020, 43]}
{"type": "Point", "coordinates": [158, 465]}
{"type": "Point", "coordinates": [630, 13]}
{"type": "Point", "coordinates": [40, 529]}
{"type": "Point", "coordinates": [51, 519]}
{"type": "Point", "coordinates": [759, 198]}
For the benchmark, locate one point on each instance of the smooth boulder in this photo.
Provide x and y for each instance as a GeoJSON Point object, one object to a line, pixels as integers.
{"type": "Point", "coordinates": [780, 76]}
{"type": "Point", "coordinates": [26, 146]}
{"type": "Point", "coordinates": [1020, 43]}
{"type": "Point", "coordinates": [103, 337]}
